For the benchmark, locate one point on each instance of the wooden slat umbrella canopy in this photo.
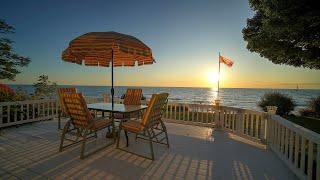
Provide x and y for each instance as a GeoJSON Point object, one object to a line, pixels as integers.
{"type": "Point", "coordinates": [107, 49]}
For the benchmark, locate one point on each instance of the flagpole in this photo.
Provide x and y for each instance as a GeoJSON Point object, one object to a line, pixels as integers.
{"type": "Point", "coordinates": [219, 76]}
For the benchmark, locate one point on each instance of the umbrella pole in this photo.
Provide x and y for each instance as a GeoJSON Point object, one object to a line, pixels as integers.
{"type": "Point", "coordinates": [112, 90]}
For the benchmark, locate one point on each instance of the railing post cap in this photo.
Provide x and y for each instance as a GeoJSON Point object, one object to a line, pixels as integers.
{"type": "Point", "coordinates": [217, 102]}
{"type": "Point", "coordinates": [272, 110]}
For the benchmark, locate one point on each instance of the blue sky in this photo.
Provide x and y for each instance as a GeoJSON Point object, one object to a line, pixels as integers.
{"type": "Point", "coordinates": [185, 37]}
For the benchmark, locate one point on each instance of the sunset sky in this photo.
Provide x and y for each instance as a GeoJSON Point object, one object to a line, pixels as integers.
{"type": "Point", "coordinates": [185, 36]}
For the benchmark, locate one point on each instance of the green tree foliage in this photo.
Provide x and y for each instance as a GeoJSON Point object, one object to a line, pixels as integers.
{"type": "Point", "coordinates": [285, 32]}
{"type": "Point", "coordinates": [9, 61]}
{"type": "Point", "coordinates": [284, 103]}
{"type": "Point", "coordinates": [44, 88]}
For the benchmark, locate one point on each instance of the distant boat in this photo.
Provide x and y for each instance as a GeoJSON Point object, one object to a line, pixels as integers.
{"type": "Point", "coordinates": [297, 88]}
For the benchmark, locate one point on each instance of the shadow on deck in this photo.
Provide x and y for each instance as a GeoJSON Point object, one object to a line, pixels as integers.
{"type": "Point", "coordinates": [31, 152]}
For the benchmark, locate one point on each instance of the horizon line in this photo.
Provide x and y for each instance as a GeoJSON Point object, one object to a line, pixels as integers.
{"type": "Point", "coordinates": [176, 86]}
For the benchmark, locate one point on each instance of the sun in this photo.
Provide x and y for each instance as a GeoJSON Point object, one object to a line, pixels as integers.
{"type": "Point", "coordinates": [213, 77]}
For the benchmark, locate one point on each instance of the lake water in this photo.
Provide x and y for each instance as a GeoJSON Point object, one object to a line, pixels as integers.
{"type": "Point", "coordinates": [235, 97]}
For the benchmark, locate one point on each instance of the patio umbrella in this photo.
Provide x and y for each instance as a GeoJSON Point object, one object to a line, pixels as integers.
{"type": "Point", "coordinates": [108, 49]}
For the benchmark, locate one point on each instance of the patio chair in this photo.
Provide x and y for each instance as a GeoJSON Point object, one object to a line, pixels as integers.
{"type": "Point", "coordinates": [83, 122]}
{"type": "Point", "coordinates": [151, 125]}
{"type": "Point", "coordinates": [62, 111]}
{"type": "Point", "coordinates": [131, 97]}
{"type": "Point", "coordinates": [106, 97]}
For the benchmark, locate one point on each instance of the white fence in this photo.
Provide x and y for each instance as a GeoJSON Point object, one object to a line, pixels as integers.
{"type": "Point", "coordinates": [245, 123]}
{"type": "Point", "coordinates": [19, 112]}
{"type": "Point", "coordinates": [193, 114]}
{"type": "Point", "coordinates": [298, 147]}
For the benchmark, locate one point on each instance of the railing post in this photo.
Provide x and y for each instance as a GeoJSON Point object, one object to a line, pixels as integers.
{"type": "Point", "coordinates": [217, 115]}
{"type": "Point", "coordinates": [239, 122]}
{"type": "Point", "coordinates": [271, 110]}
{"type": "Point", "coordinates": [1, 115]}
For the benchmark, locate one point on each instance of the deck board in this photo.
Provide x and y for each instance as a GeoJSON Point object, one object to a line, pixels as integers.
{"type": "Point", "coordinates": [30, 151]}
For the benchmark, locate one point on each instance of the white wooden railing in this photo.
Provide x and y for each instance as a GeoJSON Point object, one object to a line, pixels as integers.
{"type": "Point", "coordinates": [298, 147]}
{"type": "Point", "coordinates": [244, 122]}
{"type": "Point", "coordinates": [193, 114]}
{"type": "Point", "coordinates": [19, 112]}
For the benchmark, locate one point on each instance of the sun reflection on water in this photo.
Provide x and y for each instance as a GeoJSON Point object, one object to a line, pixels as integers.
{"type": "Point", "coordinates": [213, 94]}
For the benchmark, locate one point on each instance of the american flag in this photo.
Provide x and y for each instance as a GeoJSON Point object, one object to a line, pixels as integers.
{"type": "Point", "coordinates": [226, 61]}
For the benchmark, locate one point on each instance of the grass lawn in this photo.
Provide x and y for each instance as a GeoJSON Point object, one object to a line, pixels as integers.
{"type": "Point", "coordinates": [308, 123]}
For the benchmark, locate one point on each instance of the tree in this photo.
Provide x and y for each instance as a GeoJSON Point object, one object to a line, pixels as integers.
{"type": "Point", "coordinates": [9, 61]}
{"type": "Point", "coordinates": [44, 88]}
{"type": "Point", "coordinates": [285, 32]}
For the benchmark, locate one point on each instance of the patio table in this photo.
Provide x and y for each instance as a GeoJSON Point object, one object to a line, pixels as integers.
{"type": "Point", "coordinates": [117, 108]}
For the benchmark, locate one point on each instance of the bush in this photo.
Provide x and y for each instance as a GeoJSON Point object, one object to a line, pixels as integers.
{"type": "Point", "coordinates": [315, 105]}
{"type": "Point", "coordinates": [21, 95]}
{"type": "Point", "coordinates": [307, 112]}
{"type": "Point", "coordinates": [284, 103]}
{"type": "Point", "coordinates": [6, 97]}
{"type": "Point", "coordinates": [6, 93]}
{"type": "Point", "coordinates": [313, 109]}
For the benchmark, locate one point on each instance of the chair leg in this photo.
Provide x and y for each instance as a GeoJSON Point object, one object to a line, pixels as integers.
{"type": "Point", "coordinates": [127, 138]}
{"type": "Point", "coordinates": [118, 138]}
{"type": "Point", "coordinates": [65, 129]}
{"type": "Point", "coordinates": [78, 133]}
{"type": "Point", "coordinates": [114, 132]}
{"type": "Point", "coordinates": [59, 120]}
{"type": "Point", "coordinates": [151, 146]}
{"type": "Point", "coordinates": [165, 131]}
{"type": "Point", "coordinates": [84, 140]}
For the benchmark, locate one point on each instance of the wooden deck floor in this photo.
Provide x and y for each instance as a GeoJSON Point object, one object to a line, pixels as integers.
{"type": "Point", "coordinates": [31, 152]}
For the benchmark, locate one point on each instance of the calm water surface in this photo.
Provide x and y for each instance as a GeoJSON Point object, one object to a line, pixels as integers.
{"type": "Point", "coordinates": [243, 98]}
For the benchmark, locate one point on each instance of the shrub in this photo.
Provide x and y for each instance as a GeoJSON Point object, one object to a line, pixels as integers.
{"type": "Point", "coordinates": [6, 97]}
{"type": "Point", "coordinates": [284, 103]}
{"type": "Point", "coordinates": [313, 109]}
{"type": "Point", "coordinates": [307, 112]}
{"type": "Point", "coordinates": [6, 93]}
{"type": "Point", "coordinates": [21, 95]}
{"type": "Point", "coordinates": [315, 105]}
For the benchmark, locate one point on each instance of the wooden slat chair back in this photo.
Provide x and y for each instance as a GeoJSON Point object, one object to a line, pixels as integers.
{"type": "Point", "coordinates": [82, 120]}
{"type": "Point", "coordinates": [62, 91]}
{"type": "Point", "coordinates": [77, 109]}
{"type": "Point", "coordinates": [155, 110]}
{"type": "Point", "coordinates": [133, 97]}
{"type": "Point", "coordinates": [62, 111]}
{"type": "Point", "coordinates": [149, 124]}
